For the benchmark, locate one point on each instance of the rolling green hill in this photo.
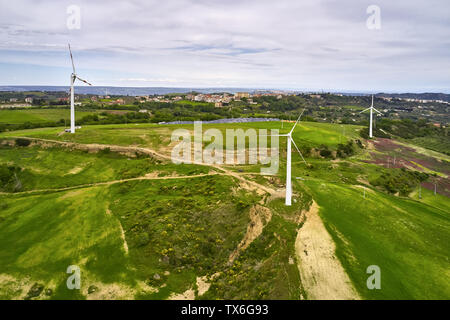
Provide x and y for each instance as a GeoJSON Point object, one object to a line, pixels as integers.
{"type": "Point", "coordinates": [142, 227]}
{"type": "Point", "coordinates": [408, 240]}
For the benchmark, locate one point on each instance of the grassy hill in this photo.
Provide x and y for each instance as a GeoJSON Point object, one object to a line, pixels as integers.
{"type": "Point", "coordinates": [142, 227]}
{"type": "Point", "coordinates": [408, 240]}
{"type": "Point", "coordinates": [436, 143]}
{"type": "Point", "coordinates": [143, 239]}
{"type": "Point", "coordinates": [307, 134]}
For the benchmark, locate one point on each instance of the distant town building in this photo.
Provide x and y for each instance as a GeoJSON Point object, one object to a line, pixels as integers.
{"type": "Point", "coordinates": [29, 100]}
{"type": "Point", "coordinates": [227, 99]}
{"type": "Point", "coordinates": [144, 98]}
{"type": "Point", "coordinates": [240, 95]}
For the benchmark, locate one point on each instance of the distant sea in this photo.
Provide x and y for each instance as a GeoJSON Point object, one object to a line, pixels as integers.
{"type": "Point", "coordinates": [130, 91]}
{"type": "Point", "coordinates": [141, 91]}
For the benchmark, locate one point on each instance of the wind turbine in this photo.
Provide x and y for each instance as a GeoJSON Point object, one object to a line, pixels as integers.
{"type": "Point", "coordinates": [371, 117]}
{"type": "Point", "coordinates": [73, 77]}
{"type": "Point", "coordinates": [288, 201]}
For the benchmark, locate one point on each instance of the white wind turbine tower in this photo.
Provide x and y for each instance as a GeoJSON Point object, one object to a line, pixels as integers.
{"type": "Point", "coordinates": [371, 117]}
{"type": "Point", "coordinates": [73, 77]}
{"type": "Point", "coordinates": [288, 200]}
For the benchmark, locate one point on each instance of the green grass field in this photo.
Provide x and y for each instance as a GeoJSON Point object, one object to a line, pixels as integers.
{"type": "Point", "coordinates": [439, 144]}
{"type": "Point", "coordinates": [307, 134]}
{"type": "Point", "coordinates": [406, 239]}
{"type": "Point", "coordinates": [149, 239]}
{"type": "Point", "coordinates": [38, 115]}
{"type": "Point", "coordinates": [178, 230]}
{"type": "Point", "coordinates": [53, 167]}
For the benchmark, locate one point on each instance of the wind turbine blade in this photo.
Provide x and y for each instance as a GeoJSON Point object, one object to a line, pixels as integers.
{"type": "Point", "coordinates": [297, 121]}
{"type": "Point", "coordinates": [71, 58]}
{"type": "Point", "coordinates": [365, 110]}
{"type": "Point", "coordinates": [83, 80]}
{"type": "Point", "coordinates": [377, 111]}
{"type": "Point", "coordinates": [298, 150]}
{"type": "Point", "coordinates": [372, 102]}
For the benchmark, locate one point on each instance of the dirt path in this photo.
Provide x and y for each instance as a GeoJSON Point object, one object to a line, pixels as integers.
{"type": "Point", "coordinates": [122, 232]}
{"type": "Point", "coordinates": [123, 149]}
{"type": "Point", "coordinates": [107, 183]}
{"type": "Point", "coordinates": [323, 276]}
{"type": "Point", "coordinates": [97, 147]}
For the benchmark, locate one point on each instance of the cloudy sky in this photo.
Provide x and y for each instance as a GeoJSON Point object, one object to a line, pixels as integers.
{"type": "Point", "coordinates": [286, 44]}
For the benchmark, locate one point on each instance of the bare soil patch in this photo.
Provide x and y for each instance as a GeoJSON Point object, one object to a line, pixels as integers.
{"type": "Point", "coordinates": [122, 233]}
{"type": "Point", "coordinates": [71, 194]}
{"type": "Point", "coordinates": [76, 170]}
{"type": "Point", "coordinates": [202, 285]}
{"type": "Point", "coordinates": [110, 291]}
{"type": "Point", "coordinates": [15, 287]}
{"type": "Point", "coordinates": [323, 277]}
{"type": "Point", "coordinates": [187, 295]}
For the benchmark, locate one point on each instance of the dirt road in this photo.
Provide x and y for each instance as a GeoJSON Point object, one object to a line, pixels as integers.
{"type": "Point", "coordinates": [107, 183]}
{"type": "Point", "coordinates": [151, 152]}
{"type": "Point", "coordinates": [323, 276]}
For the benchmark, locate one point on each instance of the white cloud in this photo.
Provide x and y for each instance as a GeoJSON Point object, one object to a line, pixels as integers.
{"type": "Point", "coordinates": [285, 43]}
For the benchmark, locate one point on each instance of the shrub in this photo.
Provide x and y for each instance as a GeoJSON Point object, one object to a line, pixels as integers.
{"type": "Point", "coordinates": [22, 142]}
{"type": "Point", "coordinates": [6, 173]}
{"type": "Point", "coordinates": [399, 180]}
{"type": "Point", "coordinates": [345, 150]}
{"type": "Point", "coordinates": [325, 152]}
{"type": "Point", "coordinates": [142, 239]}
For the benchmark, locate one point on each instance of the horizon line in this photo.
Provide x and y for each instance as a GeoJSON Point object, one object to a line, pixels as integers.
{"type": "Point", "coordinates": [348, 91]}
